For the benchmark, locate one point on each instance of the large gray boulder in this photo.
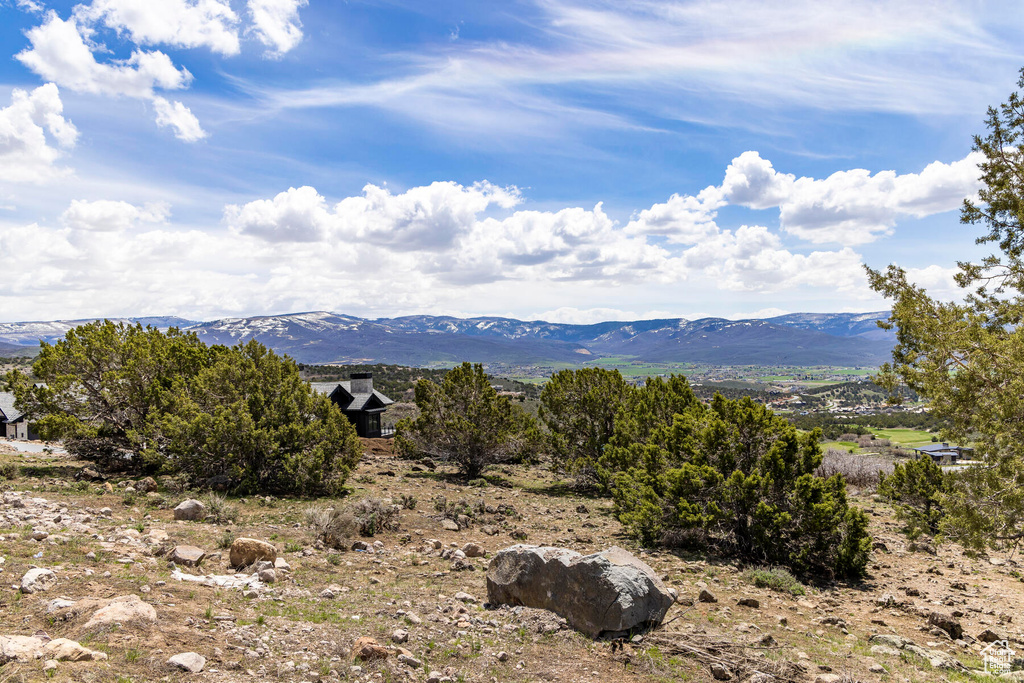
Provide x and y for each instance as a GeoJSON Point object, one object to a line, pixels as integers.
{"type": "Point", "coordinates": [607, 593]}
{"type": "Point", "coordinates": [190, 510]}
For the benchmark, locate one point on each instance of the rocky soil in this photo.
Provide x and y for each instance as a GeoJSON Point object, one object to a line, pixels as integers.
{"type": "Point", "coordinates": [103, 583]}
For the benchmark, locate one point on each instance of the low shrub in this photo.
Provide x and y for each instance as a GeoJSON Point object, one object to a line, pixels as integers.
{"type": "Point", "coordinates": [407, 501]}
{"type": "Point", "coordinates": [367, 517]}
{"type": "Point", "coordinates": [218, 507]}
{"type": "Point", "coordinates": [776, 579]}
{"type": "Point", "coordinates": [9, 470]}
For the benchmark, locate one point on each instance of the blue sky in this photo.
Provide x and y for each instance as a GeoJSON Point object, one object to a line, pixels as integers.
{"type": "Point", "coordinates": [570, 161]}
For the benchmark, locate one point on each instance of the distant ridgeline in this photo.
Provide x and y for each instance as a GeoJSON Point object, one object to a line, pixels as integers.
{"type": "Point", "coordinates": [398, 381]}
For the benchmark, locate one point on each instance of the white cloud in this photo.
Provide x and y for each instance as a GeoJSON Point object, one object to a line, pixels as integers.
{"type": "Point", "coordinates": [31, 6]}
{"type": "Point", "coordinates": [60, 54]}
{"type": "Point", "coordinates": [180, 118]}
{"type": "Point", "coordinates": [430, 217]}
{"type": "Point", "coordinates": [570, 315]}
{"type": "Point", "coordinates": [181, 23]}
{"type": "Point", "coordinates": [112, 216]}
{"type": "Point", "coordinates": [276, 24]}
{"type": "Point", "coordinates": [612, 65]}
{"type": "Point", "coordinates": [848, 207]}
{"type": "Point", "coordinates": [297, 215]}
{"type": "Point", "coordinates": [33, 133]}
{"type": "Point", "coordinates": [683, 219]}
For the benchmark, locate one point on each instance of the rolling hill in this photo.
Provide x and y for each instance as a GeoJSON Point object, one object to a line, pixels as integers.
{"type": "Point", "coordinates": [845, 339]}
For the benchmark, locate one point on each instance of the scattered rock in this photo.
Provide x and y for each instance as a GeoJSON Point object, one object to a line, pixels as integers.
{"type": "Point", "coordinates": [64, 650]}
{"type": "Point", "coordinates": [828, 678]}
{"type": "Point", "coordinates": [885, 650]}
{"type": "Point", "coordinates": [720, 672]}
{"type": "Point", "coordinates": [465, 597]}
{"type": "Point", "coordinates": [410, 661]}
{"type": "Point", "coordinates": [187, 555]}
{"type": "Point", "coordinates": [188, 661]}
{"type": "Point", "coordinates": [267, 575]}
{"type": "Point", "coordinates": [706, 596]}
{"type": "Point", "coordinates": [400, 636]}
{"type": "Point", "coordinates": [38, 579]}
{"type": "Point", "coordinates": [749, 602]}
{"type": "Point", "coordinates": [607, 592]}
{"type": "Point", "coordinates": [146, 485]}
{"type": "Point", "coordinates": [28, 648]}
{"type": "Point", "coordinates": [125, 609]}
{"type": "Point", "coordinates": [989, 636]}
{"type": "Point", "coordinates": [893, 641]}
{"type": "Point", "coordinates": [190, 510]}
{"type": "Point", "coordinates": [449, 524]}
{"type": "Point", "coordinates": [247, 551]}
{"type": "Point", "coordinates": [473, 550]}
{"type": "Point", "coordinates": [947, 624]}
{"type": "Point", "coordinates": [367, 648]}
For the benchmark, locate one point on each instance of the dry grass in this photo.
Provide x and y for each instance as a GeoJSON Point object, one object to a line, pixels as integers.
{"type": "Point", "coordinates": [860, 471]}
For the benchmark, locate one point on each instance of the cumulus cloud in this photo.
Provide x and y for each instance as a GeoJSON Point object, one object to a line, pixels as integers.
{"type": "Point", "coordinates": [112, 216]}
{"type": "Point", "coordinates": [181, 23]}
{"type": "Point", "coordinates": [848, 207]}
{"type": "Point", "coordinates": [430, 217]}
{"type": "Point", "coordinates": [33, 135]}
{"type": "Point", "coordinates": [296, 215]}
{"type": "Point", "coordinates": [275, 23]}
{"type": "Point", "coordinates": [683, 219]}
{"type": "Point", "coordinates": [177, 116]}
{"type": "Point", "coordinates": [59, 53]}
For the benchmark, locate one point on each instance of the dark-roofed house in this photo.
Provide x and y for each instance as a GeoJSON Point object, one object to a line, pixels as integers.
{"type": "Point", "coordinates": [944, 453]}
{"type": "Point", "coordinates": [361, 403]}
{"type": "Point", "coordinates": [13, 423]}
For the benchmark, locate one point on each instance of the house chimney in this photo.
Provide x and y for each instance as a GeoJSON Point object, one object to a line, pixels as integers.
{"type": "Point", "coordinates": [362, 383]}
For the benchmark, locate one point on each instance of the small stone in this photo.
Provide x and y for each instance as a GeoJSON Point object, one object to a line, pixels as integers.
{"type": "Point", "coordinates": [753, 603]}
{"type": "Point", "coordinates": [49, 665]}
{"type": "Point", "coordinates": [706, 596]}
{"type": "Point", "coordinates": [449, 525]}
{"type": "Point", "coordinates": [465, 597]}
{"type": "Point", "coordinates": [473, 550]}
{"type": "Point", "coordinates": [38, 579]}
{"type": "Point", "coordinates": [188, 661]}
{"type": "Point", "coordinates": [877, 669]}
{"type": "Point", "coordinates": [989, 636]}
{"type": "Point", "coordinates": [502, 656]}
{"type": "Point", "coordinates": [367, 648]}
{"type": "Point", "coordinates": [410, 661]}
{"type": "Point", "coordinates": [187, 555]}
{"type": "Point", "coordinates": [39, 535]}
{"type": "Point", "coordinates": [267, 575]}
{"type": "Point", "coordinates": [828, 678]}
{"type": "Point", "coordinates": [720, 672]}
{"type": "Point", "coordinates": [400, 636]}
{"type": "Point", "coordinates": [247, 551]}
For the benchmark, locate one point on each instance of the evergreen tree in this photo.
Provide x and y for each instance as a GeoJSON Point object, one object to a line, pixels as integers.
{"type": "Point", "coordinates": [141, 400]}
{"type": "Point", "coordinates": [916, 488]}
{"type": "Point", "coordinates": [579, 407]}
{"type": "Point", "coordinates": [464, 421]}
{"type": "Point", "coordinates": [968, 358]}
{"type": "Point", "coordinates": [733, 476]}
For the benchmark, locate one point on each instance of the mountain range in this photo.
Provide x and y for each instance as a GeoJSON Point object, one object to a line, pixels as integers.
{"type": "Point", "coordinates": [842, 339]}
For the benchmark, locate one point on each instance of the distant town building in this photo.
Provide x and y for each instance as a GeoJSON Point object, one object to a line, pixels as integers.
{"type": "Point", "coordinates": [14, 424]}
{"type": "Point", "coordinates": [943, 453]}
{"type": "Point", "coordinates": [361, 403]}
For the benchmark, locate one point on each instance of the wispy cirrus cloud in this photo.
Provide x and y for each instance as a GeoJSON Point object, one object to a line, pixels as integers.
{"type": "Point", "coordinates": [609, 65]}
